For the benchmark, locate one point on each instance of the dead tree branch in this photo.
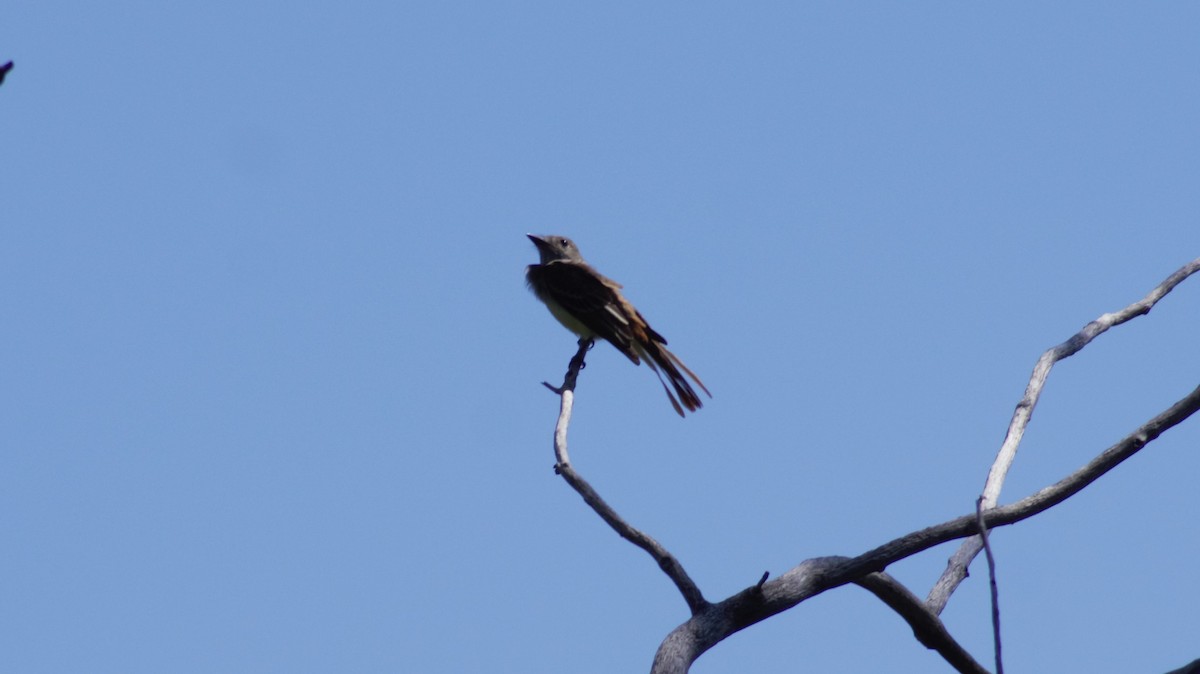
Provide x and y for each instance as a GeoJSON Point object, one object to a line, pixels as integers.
{"type": "Point", "coordinates": [711, 623]}
{"type": "Point", "coordinates": [666, 561]}
{"type": "Point", "coordinates": [814, 576]}
{"type": "Point", "coordinates": [991, 564]}
{"type": "Point", "coordinates": [956, 568]}
{"type": "Point", "coordinates": [927, 627]}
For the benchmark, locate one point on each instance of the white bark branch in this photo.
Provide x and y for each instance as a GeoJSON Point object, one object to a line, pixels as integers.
{"type": "Point", "coordinates": [814, 576]}
{"type": "Point", "coordinates": [710, 623]}
{"type": "Point", "coordinates": [956, 568]}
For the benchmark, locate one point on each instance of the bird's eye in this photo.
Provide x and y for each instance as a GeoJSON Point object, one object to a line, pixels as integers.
{"type": "Point", "coordinates": [565, 243]}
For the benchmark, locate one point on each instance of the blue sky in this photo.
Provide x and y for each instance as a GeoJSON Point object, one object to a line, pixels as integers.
{"type": "Point", "coordinates": [269, 389]}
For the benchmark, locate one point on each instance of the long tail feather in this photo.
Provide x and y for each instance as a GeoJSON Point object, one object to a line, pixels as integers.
{"type": "Point", "coordinates": [659, 358]}
{"type": "Point", "coordinates": [675, 359]}
{"type": "Point", "coordinates": [670, 396]}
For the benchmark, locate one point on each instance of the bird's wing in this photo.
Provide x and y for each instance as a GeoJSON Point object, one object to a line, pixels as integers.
{"type": "Point", "coordinates": [595, 301]}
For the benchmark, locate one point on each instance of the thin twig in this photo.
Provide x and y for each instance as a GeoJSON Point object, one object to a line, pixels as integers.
{"type": "Point", "coordinates": [666, 561]}
{"type": "Point", "coordinates": [991, 562]}
{"type": "Point", "coordinates": [566, 394]}
{"type": "Point", "coordinates": [956, 568]}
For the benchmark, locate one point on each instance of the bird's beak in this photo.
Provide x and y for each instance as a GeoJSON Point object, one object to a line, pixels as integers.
{"type": "Point", "coordinates": [539, 241]}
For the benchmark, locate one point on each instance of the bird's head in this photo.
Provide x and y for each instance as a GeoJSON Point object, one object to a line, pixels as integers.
{"type": "Point", "coordinates": [553, 247]}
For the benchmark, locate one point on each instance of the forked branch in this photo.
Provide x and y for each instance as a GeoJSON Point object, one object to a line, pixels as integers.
{"type": "Point", "coordinates": [814, 576]}
{"type": "Point", "coordinates": [711, 623]}
{"type": "Point", "coordinates": [956, 569]}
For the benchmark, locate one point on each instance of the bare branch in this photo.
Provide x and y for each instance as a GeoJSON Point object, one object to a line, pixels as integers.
{"type": "Point", "coordinates": [711, 623]}
{"type": "Point", "coordinates": [1041, 500]}
{"type": "Point", "coordinates": [991, 562]}
{"type": "Point", "coordinates": [956, 569]}
{"type": "Point", "coordinates": [926, 627]}
{"type": "Point", "coordinates": [814, 576]}
{"type": "Point", "coordinates": [666, 561]}
{"type": "Point", "coordinates": [566, 394]}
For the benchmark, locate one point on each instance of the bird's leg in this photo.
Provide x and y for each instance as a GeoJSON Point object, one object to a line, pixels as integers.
{"type": "Point", "coordinates": [577, 363]}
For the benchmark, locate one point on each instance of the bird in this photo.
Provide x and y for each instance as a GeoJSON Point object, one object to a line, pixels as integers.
{"type": "Point", "coordinates": [591, 305]}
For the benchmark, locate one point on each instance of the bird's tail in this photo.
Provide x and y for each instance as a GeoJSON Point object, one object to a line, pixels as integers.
{"type": "Point", "coordinates": [663, 361]}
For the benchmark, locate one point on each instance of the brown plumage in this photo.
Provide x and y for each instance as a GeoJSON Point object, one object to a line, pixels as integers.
{"type": "Point", "coordinates": [591, 305]}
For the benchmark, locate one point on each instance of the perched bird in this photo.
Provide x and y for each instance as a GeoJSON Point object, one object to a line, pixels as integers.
{"type": "Point", "coordinates": [591, 306]}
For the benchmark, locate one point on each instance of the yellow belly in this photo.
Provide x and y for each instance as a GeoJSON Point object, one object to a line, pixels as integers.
{"type": "Point", "coordinates": [569, 322]}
